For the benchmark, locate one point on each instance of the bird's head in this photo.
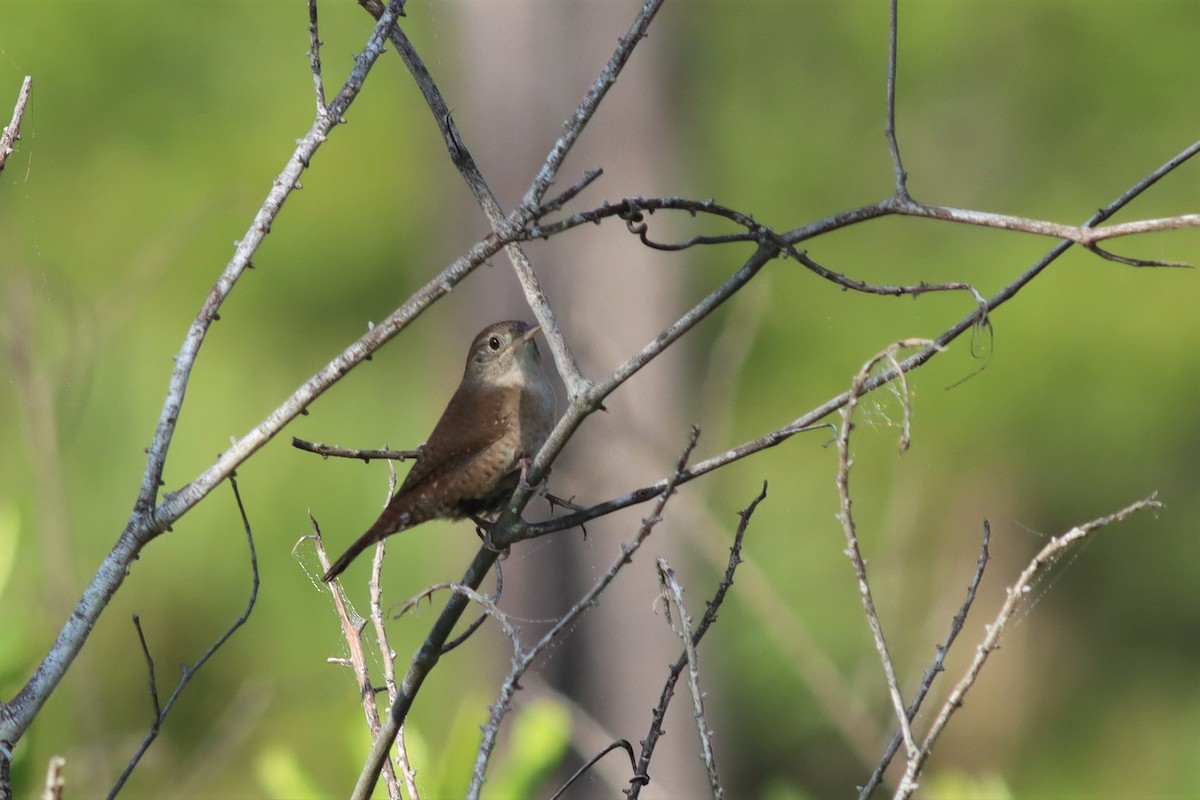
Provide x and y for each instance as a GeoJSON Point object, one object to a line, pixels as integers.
{"type": "Point", "coordinates": [503, 354]}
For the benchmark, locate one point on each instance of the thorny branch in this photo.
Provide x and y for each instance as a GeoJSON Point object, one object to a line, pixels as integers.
{"type": "Point", "coordinates": [523, 659]}
{"type": "Point", "coordinates": [1015, 597]}
{"type": "Point", "coordinates": [672, 593]}
{"type": "Point", "coordinates": [327, 450]}
{"type": "Point", "coordinates": [931, 672]}
{"type": "Point", "coordinates": [641, 775]}
{"type": "Point", "coordinates": [147, 520]}
{"type": "Point", "coordinates": [352, 633]}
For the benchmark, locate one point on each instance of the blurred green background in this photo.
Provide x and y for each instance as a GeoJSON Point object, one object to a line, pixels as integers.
{"type": "Point", "coordinates": [153, 134]}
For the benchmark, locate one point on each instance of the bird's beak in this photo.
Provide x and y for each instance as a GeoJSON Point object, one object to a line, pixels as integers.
{"type": "Point", "coordinates": [529, 334]}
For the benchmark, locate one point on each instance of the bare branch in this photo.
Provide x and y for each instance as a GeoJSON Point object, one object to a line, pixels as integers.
{"type": "Point", "coordinates": [569, 194]}
{"type": "Point", "coordinates": [314, 57]}
{"type": "Point", "coordinates": [672, 592]}
{"type": "Point", "coordinates": [147, 521]}
{"type": "Point", "coordinates": [846, 517]}
{"type": "Point", "coordinates": [591, 102]}
{"type": "Point", "coordinates": [1136, 262]}
{"type": "Point", "coordinates": [327, 450]}
{"type": "Point", "coordinates": [522, 659]}
{"type": "Point", "coordinates": [352, 630]}
{"type": "Point", "coordinates": [12, 131]}
{"type": "Point", "coordinates": [160, 714]}
{"type": "Point", "coordinates": [1087, 235]}
{"type": "Point", "coordinates": [641, 775]}
{"type": "Point", "coordinates": [501, 226]}
{"type": "Point", "coordinates": [889, 130]}
{"type": "Point", "coordinates": [137, 623]}
{"type": "Point", "coordinates": [422, 663]}
{"type": "Point", "coordinates": [388, 656]}
{"type": "Point", "coordinates": [239, 263]}
{"type": "Point", "coordinates": [631, 210]}
{"type": "Point", "coordinates": [1015, 596]}
{"type": "Point", "coordinates": [931, 672]}
{"type": "Point", "coordinates": [806, 421]}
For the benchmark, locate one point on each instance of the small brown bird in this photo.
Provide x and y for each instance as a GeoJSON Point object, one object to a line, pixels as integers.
{"type": "Point", "coordinates": [497, 420]}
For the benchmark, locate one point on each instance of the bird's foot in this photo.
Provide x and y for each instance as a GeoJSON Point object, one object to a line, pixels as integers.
{"type": "Point", "coordinates": [484, 530]}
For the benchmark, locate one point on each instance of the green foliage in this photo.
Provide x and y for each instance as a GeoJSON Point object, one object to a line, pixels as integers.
{"type": "Point", "coordinates": [538, 738]}
{"type": "Point", "coordinates": [282, 775]}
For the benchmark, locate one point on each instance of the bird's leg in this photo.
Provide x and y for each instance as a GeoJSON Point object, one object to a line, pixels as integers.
{"type": "Point", "coordinates": [525, 462]}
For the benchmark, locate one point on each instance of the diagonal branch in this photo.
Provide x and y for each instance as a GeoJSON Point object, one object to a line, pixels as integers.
{"type": "Point", "coordinates": [640, 777]}
{"type": "Point", "coordinates": [938, 666]}
{"type": "Point", "coordinates": [672, 593]}
{"type": "Point", "coordinates": [12, 131]}
{"type": "Point", "coordinates": [146, 521]}
{"type": "Point", "coordinates": [281, 189]}
{"type": "Point", "coordinates": [501, 225]}
{"type": "Point", "coordinates": [1015, 597]}
{"type": "Point", "coordinates": [189, 672]}
{"type": "Point", "coordinates": [523, 659]}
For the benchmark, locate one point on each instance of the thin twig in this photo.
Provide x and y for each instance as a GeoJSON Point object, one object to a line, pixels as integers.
{"type": "Point", "coordinates": [641, 775]}
{"type": "Point", "coordinates": [189, 672]}
{"type": "Point", "coordinates": [1086, 235]}
{"type": "Point", "coordinates": [314, 57]}
{"type": "Point", "coordinates": [522, 659]}
{"type": "Point", "coordinates": [352, 629]}
{"type": "Point", "coordinates": [422, 664]}
{"type": "Point", "coordinates": [148, 520]}
{"type": "Point", "coordinates": [555, 204]}
{"type": "Point", "coordinates": [934, 669]}
{"type": "Point", "coordinates": [1015, 596]}
{"type": "Point", "coordinates": [334, 451]}
{"type": "Point", "coordinates": [846, 517]}
{"type": "Point", "coordinates": [889, 130]}
{"type": "Point", "coordinates": [12, 131]}
{"type": "Point", "coordinates": [469, 631]}
{"type": "Point", "coordinates": [672, 592]}
{"type": "Point", "coordinates": [574, 126]}
{"type": "Point", "coordinates": [502, 226]}
{"type": "Point", "coordinates": [388, 656]}
{"type": "Point", "coordinates": [137, 623]}
{"type": "Point", "coordinates": [1136, 262]}
{"type": "Point", "coordinates": [620, 744]}
{"type": "Point", "coordinates": [630, 210]}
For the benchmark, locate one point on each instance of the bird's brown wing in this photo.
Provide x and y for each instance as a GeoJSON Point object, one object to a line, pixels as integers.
{"type": "Point", "coordinates": [452, 446]}
{"type": "Point", "coordinates": [467, 429]}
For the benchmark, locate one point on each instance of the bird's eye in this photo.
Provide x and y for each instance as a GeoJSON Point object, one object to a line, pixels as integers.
{"type": "Point", "coordinates": [494, 343]}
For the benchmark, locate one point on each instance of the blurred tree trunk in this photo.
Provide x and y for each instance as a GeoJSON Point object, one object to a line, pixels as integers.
{"type": "Point", "coordinates": [523, 78]}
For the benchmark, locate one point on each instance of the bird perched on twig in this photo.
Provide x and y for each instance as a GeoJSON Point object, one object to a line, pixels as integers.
{"type": "Point", "coordinates": [497, 420]}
